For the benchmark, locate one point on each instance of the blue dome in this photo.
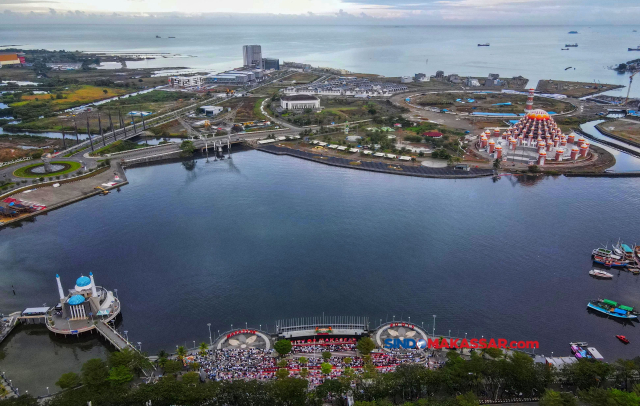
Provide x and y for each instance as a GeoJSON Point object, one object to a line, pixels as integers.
{"type": "Point", "coordinates": [83, 281]}
{"type": "Point", "coordinates": [76, 300]}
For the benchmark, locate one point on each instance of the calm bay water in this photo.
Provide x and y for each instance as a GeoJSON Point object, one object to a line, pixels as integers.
{"type": "Point", "coordinates": [531, 51]}
{"type": "Point", "coordinates": [259, 237]}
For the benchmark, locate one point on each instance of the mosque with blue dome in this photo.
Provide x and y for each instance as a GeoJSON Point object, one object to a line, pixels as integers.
{"type": "Point", "coordinates": [82, 306]}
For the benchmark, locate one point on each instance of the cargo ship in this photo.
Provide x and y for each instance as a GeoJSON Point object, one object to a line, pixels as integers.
{"type": "Point", "coordinates": [635, 49]}
{"type": "Point", "coordinates": [484, 45]}
{"type": "Point", "coordinates": [573, 32]}
{"type": "Point", "coordinates": [613, 309]}
{"type": "Point", "coordinates": [571, 45]}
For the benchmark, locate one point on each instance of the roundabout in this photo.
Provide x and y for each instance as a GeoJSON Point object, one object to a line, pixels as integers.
{"type": "Point", "coordinates": [38, 170]}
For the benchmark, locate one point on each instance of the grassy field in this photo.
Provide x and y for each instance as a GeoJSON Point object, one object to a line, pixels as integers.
{"type": "Point", "coordinates": [625, 129]}
{"type": "Point", "coordinates": [249, 108]}
{"type": "Point", "coordinates": [302, 77]}
{"type": "Point", "coordinates": [23, 171]}
{"type": "Point", "coordinates": [573, 89]}
{"type": "Point", "coordinates": [75, 96]}
{"type": "Point", "coordinates": [486, 102]}
{"type": "Point", "coordinates": [118, 146]}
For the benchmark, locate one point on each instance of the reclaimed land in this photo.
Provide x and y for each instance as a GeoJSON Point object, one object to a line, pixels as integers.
{"type": "Point", "coordinates": [574, 89]}
{"type": "Point", "coordinates": [383, 167]}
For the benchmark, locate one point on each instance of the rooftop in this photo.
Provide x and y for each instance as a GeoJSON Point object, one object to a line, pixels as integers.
{"type": "Point", "coordinates": [299, 97]}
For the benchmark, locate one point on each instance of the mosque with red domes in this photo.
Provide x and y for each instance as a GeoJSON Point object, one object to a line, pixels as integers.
{"type": "Point", "coordinates": [534, 139]}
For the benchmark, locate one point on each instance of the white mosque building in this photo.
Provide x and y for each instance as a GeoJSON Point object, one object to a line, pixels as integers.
{"type": "Point", "coordinates": [81, 306]}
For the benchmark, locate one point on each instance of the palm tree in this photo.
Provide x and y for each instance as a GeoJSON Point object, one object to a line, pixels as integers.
{"type": "Point", "coordinates": [181, 352]}
{"type": "Point", "coordinates": [203, 348]}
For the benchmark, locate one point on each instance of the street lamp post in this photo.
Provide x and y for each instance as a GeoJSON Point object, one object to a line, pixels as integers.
{"type": "Point", "coordinates": [48, 391]}
{"type": "Point", "coordinates": [116, 292]}
{"type": "Point", "coordinates": [449, 333]}
{"type": "Point", "coordinates": [210, 341]}
{"type": "Point", "coordinates": [140, 346]}
{"type": "Point", "coordinates": [126, 334]}
{"type": "Point", "coordinates": [194, 344]}
{"type": "Point", "coordinates": [434, 326]}
{"type": "Point", "coordinates": [465, 336]}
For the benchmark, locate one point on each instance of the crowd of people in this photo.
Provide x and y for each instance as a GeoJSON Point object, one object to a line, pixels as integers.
{"type": "Point", "coordinates": [260, 364]}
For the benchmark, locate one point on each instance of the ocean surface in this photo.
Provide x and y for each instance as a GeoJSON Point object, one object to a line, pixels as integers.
{"type": "Point", "coordinates": [259, 238]}
{"type": "Point", "coordinates": [531, 51]}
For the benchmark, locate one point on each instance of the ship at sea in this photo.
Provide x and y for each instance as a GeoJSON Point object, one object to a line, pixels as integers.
{"type": "Point", "coordinates": [635, 49]}
{"type": "Point", "coordinates": [484, 45]}
{"type": "Point", "coordinates": [573, 32]}
{"type": "Point", "coordinates": [571, 45]}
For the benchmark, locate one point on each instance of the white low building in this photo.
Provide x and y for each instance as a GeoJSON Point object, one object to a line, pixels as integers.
{"type": "Point", "coordinates": [299, 102]}
{"type": "Point", "coordinates": [186, 81]}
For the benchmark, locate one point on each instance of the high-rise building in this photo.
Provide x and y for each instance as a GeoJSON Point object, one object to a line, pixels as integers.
{"type": "Point", "coordinates": [271, 63]}
{"type": "Point", "coordinates": [252, 56]}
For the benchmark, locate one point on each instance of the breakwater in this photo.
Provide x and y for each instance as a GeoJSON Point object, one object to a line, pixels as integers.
{"type": "Point", "coordinates": [608, 143]}
{"type": "Point", "coordinates": [383, 167]}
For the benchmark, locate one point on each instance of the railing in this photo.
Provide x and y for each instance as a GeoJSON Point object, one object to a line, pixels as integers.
{"type": "Point", "coordinates": [335, 322]}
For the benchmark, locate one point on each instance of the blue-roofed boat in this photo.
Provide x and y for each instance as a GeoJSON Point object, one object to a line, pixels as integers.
{"type": "Point", "coordinates": [602, 307]}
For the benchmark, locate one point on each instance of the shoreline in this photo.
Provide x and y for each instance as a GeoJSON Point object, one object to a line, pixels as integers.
{"type": "Point", "coordinates": [417, 171]}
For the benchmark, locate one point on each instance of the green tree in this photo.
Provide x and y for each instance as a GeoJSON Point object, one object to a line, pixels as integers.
{"type": "Point", "coordinates": [467, 399]}
{"type": "Point", "coordinates": [181, 352]}
{"type": "Point", "coordinates": [553, 398]}
{"type": "Point", "coordinates": [191, 378]}
{"type": "Point", "coordinates": [303, 360]}
{"type": "Point", "coordinates": [326, 368]}
{"type": "Point", "coordinates": [94, 373]}
{"type": "Point", "coordinates": [304, 372]}
{"type": "Point", "coordinates": [172, 366]}
{"type": "Point", "coordinates": [203, 349]}
{"type": "Point", "coordinates": [365, 345]}
{"type": "Point", "coordinates": [326, 355]}
{"type": "Point", "coordinates": [68, 380]}
{"type": "Point", "coordinates": [120, 375]}
{"type": "Point", "coordinates": [187, 148]}
{"type": "Point", "coordinates": [496, 164]}
{"type": "Point", "coordinates": [283, 347]}
{"type": "Point", "coordinates": [348, 360]}
{"type": "Point", "coordinates": [283, 363]}
{"type": "Point", "coordinates": [282, 373]}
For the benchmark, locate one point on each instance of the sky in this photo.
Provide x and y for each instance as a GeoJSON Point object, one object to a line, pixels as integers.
{"type": "Point", "coordinates": [606, 12]}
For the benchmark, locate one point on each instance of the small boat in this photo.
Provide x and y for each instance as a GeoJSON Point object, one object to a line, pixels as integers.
{"type": "Point", "coordinates": [623, 339]}
{"type": "Point", "coordinates": [580, 343]}
{"type": "Point", "coordinates": [157, 36]}
{"type": "Point", "coordinates": [609, 262]}
{"type": "Point", "coordinates": [606, 307]}
{"type": "Point", "coordinates": [171, 37]}
{"type": "Point", "coordinates": [617, 249]}
{"type": "Point", "coordinates": [571, 45]}
{"type": "Point", "coordinates": [596, 273]}
{"type": "Point", "coordinates": [484, 45]}
{"type": "Point", "coordinates": [635, 49]}
{"type": "Point", "coordinates": [603, 252]}
{"type": "Point", "coordinates": [573, 32]}
{"type": "Point", "coordinates": [564, 49]}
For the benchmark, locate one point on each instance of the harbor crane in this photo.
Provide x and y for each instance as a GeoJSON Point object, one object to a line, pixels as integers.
{"type": "Point", "coordinates": [629, 89]}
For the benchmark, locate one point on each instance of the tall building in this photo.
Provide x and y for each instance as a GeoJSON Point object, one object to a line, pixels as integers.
{"type": "Point", "coordinates": [271, 63]}
{"type": "Point", "coordinates": [252, 56]}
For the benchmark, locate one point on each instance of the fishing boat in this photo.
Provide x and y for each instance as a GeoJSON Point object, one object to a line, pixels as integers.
{"type": "Point", "coordinates": [573, 32]}
{"type": "Point", "coordinates": [609, 262]}
{"type": "Point", "coordinates": [603, 252]}
{"type": "Point", "coordinates": [635, 49]}
{"type": "Point", "coordinates": [623, 339]}
{"type": "Point", "coordinates": [636, 254]}
{"type": "Point", "coordinates": [157, 36]}
{"type": "Point", "coordinates": [596, 273]}
{"type": "Point", "coordinates": [617, 249]}
{"type": "Point", "coordinates": [571, 45]}
{"type": "Point", "coordinates": [564, 49]}
{"type": "Point", "coordinates": [611, 308]}
{"type": "Point", "coordinates": [627, 252]}
{"type": "Point", "coordinates": [484, 45]}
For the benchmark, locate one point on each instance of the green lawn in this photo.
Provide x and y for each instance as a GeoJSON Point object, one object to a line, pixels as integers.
{"type": "Point", "coordinates": [23, 171]}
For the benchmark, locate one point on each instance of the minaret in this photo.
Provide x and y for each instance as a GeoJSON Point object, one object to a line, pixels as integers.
{"type": "Point", "coordinates": [529, 105]}
{"type": "Point", "coordinates": [94, 293]}
{"type": "Point", "coordinates": [60, 291]}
